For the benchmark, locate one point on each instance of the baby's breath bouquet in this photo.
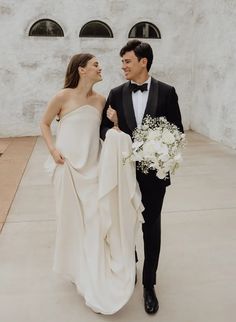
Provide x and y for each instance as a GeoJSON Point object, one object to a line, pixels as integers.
{"type": "Point", "coordinates": [157, 146]}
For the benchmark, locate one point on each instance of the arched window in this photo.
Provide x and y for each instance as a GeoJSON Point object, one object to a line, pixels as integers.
{"type": "Point", "coordinates": [96, 29]}
{"type": "Point", "coordinates": [144, 30]}
{"type": "Point", "coordinates": [46, 28]}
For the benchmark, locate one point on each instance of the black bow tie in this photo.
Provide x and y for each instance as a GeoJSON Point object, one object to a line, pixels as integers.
{"type": "Point", "coordinates": [135, 87]}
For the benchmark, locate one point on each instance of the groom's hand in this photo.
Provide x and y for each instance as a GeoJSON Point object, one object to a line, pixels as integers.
{"type": "Point", "coordinates": [112, 116]}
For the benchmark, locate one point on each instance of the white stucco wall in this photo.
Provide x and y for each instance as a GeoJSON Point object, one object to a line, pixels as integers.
{"type": "Point", "coordinates": [213, 111]}
{"type": "Point", "coordinates": [32, 68]}
{"type": "Point", "coordinates": [195, 55]}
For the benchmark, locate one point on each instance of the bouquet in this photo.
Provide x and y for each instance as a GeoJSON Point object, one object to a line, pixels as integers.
{"type": "Point", "coordinates": [157, 146]}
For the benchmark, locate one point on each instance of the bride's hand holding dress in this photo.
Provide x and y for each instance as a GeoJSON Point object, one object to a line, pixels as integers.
{"type": "Point", "coordinates": [57, 156]}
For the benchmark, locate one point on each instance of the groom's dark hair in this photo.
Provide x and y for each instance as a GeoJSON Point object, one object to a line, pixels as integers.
{"type": "Point", "coordinates": [141, 50]}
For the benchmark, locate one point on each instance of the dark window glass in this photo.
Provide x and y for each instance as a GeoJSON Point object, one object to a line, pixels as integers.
{"type": "Point", "coordinates": [144, 30]}
{"type": "Point", "coordinates": [96, 29]}
{"type": "Point", "coordinates": [46, 28]}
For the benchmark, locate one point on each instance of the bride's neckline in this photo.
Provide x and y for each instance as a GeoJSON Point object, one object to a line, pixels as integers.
{"type": "Point", "coordinates": [78, 108]}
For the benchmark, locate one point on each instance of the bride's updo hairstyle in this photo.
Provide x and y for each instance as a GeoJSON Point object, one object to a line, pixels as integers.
{"type": "Point", "coordinates": [72, 74]}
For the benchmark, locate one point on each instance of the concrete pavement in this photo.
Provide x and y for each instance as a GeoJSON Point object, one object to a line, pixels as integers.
{"type": "Point", "coordinates": [197, 271]}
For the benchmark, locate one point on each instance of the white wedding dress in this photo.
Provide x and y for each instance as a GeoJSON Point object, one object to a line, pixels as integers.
{"type": "Point", "coordinates": [98, 211]}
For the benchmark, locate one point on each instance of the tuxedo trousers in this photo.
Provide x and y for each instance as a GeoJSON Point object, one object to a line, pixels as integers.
{"type": "Point", "coordinates": [153, 192]}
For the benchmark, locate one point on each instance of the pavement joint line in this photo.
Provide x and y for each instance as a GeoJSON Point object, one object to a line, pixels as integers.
{"type": "Point", "coordinates": [196, 210]}
{"type": "Point", "coordinates": [29, 221]}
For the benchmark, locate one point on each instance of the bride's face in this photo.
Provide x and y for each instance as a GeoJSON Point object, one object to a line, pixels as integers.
{"type": "Point", "coordinates": [93, 70]}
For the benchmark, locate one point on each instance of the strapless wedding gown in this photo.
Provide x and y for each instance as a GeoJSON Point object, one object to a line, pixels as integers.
{"type": "Point", "coordinates": [99, 208]}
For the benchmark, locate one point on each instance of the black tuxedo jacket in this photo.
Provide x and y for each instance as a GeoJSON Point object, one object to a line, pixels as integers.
{"type": "Point", "coordinates": [162, 101]}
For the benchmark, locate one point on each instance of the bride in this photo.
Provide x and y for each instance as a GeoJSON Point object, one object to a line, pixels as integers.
{"type": "Point", "coordinates": [98, 201]}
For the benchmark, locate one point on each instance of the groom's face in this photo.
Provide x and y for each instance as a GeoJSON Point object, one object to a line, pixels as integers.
{"type": "Point", "coordinates": [131, 66]}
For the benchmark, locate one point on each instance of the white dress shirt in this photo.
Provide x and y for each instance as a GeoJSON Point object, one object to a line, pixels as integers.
{"type": "Point", "coordinates": [140, 101]}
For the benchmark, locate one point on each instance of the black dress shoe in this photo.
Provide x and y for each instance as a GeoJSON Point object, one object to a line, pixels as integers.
{"type": "Point", "coordinates": [151, 304]}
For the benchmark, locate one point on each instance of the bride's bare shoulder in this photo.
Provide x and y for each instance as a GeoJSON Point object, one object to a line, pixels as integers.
{"type": "Point", "coordinates": [63, 93]}
{"type": "Point", "coordinates": [101, 100]}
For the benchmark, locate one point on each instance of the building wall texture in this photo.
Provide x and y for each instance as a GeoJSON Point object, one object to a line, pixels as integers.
{"type": "Point", "coordinates": [195, 55]}
{"type": "Point", "coordinates": [213, 110]}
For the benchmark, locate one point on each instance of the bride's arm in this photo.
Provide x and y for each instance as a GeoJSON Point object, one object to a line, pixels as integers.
{"type": "Point", "coordinates": [53, 109]}
{"type": "Point", "coordinates": [106, 123]}
{"type": "Point", "coordinates": [109, 118]}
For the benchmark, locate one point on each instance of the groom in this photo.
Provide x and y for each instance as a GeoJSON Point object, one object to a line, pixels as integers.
{"type": "Point", "coordinates": [143, 95]}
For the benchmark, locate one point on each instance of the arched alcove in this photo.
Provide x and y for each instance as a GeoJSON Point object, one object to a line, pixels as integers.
{"type": "Point", "coordinates": [96, 29]}
{"type": "Point", "coordinates": [46, 28]}
{"type": "Point", "coordinates": [144, 30]}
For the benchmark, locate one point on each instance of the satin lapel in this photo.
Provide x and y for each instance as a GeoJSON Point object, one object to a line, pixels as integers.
{"type": "Point", "coordinates": [128, 107]}
{"type": "Point", "coordinates": [152, 102]}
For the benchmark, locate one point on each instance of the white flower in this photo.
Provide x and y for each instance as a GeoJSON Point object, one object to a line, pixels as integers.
{"type": "Point", "coordinates": [138, 155]}
{"type": "Point", "coordinates": [149, 148]}
{"type": "Point", "coordinates": [144, 127]}
{"type": "Point", "coordinates": [153, 135]}
{"type": "Point", "coordinates": [161, 148]}
{"type": "Point", "coordinates": [178, 158]}
{"type": "Point", "coordinates": [137, 144]}
{"type": "Point", "coordinates": [169, 165]}
{"type": "Point", "coordinates": [164, 157]}
{"type": "Point", "coordinates": [161, 174]}
{"type": "Point", "coordinates": [162, 119]}
{"type": "Point", "coordinates": [168, 137]}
